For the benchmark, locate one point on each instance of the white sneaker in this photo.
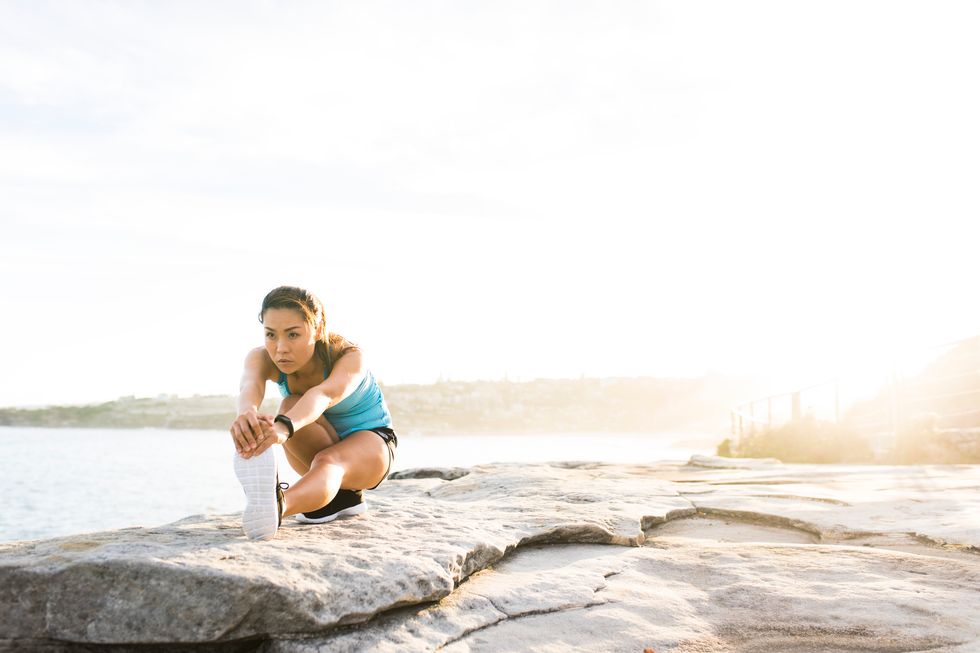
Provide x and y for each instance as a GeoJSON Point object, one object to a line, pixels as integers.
{"type": "Point", "coordinates": [259, 477]}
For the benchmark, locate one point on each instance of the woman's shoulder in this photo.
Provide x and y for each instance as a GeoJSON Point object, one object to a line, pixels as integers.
{"type": "Point", "coordinates": [261, 364]}
{"type": "Point", "coordinates": [339, 345]}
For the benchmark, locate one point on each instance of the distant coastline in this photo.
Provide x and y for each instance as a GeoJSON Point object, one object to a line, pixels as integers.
{"type": "Point", "coordinates": [636, 405]}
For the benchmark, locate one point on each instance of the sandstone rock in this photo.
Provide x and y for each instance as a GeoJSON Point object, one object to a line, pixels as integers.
{"type": "Point", "coordinates": [539, 557]}
{"type": "Point", "coordinates": [681, 593]}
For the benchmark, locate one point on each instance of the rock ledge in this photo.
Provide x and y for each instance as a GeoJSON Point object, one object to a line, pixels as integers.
{"type": "Point", "coordinates": [497, 557]}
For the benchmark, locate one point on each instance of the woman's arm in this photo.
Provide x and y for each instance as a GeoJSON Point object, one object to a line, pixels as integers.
{"type": "Point", "coordinates": [346, 375]}
{"type": "Point", "coordinates": [247, 428]}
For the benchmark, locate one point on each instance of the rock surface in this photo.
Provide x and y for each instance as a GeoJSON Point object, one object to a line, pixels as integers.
{"type": "Point", "coordinates": [705, 557]}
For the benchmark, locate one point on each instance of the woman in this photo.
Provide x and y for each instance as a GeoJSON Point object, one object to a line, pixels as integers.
{"type": "Point", "coordinates": [333, 422]}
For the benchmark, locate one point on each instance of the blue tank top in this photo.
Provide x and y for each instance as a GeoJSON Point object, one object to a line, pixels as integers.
{"type": "Point", "coordinates": [361, 410]}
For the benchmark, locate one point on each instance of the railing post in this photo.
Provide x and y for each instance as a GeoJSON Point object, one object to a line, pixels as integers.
{"type": "Point", "coordinates": [836, 401]}
{"type": "Point", "coordinates": [901, 412]}
{"type": "Point", "coordinates": [892, 406]}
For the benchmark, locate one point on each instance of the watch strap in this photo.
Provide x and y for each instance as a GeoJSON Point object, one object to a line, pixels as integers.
{"type": "Point", "coordinates": [288, 422]}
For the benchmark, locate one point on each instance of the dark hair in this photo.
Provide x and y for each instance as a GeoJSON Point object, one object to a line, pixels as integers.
{"type": "Point", "coordinates": [311, 308]}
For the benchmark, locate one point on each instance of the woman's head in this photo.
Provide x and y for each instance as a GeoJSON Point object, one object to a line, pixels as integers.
{"type": "Point", "coordinates": [295, 328]}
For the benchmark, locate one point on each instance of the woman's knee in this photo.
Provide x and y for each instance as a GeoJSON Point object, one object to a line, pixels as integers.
{"type": "Point", "coordinates": [328, 456]}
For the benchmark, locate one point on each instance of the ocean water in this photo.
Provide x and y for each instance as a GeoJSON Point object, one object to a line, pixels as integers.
{"type": "Point", "coordinates": [67, 481]}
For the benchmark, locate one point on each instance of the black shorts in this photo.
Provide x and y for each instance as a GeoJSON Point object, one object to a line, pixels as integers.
{"type": "Point", "coordinates": [388, 435]}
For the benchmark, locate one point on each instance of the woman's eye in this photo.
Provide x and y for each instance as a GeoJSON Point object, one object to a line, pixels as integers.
{"type": "Point", "coordinates": [294, 335]}
{"type": "Point", "coordinates": [269, 336]}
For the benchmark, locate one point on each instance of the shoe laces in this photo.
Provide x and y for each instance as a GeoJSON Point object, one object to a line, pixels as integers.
{"type": "Point", "coordinates": [280, 486]}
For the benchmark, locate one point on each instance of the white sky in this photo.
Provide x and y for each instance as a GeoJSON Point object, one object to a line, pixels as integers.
{"type": "Point", "coordinates": [480, 189]}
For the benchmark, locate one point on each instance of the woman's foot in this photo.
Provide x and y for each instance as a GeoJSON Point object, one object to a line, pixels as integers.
{"type": "Point", "coordinates": [345, 504]}
{"type": "Point", "coordinates": [263, 497]}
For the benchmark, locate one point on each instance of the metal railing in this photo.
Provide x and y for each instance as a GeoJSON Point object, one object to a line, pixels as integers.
{"type": "Point", "coordinates": [945, 390]}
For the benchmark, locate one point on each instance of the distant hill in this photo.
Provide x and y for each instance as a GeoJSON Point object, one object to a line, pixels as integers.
{"type": "Point", "coordinates": [947, 391]}
{"type": "Point", "coordinates": [931, 417]}
{"type": "Point", "coordinates": [545, 405]}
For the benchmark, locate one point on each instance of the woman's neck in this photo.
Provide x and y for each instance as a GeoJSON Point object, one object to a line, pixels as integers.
{"type": "Point", "coordinates": [312, 369]}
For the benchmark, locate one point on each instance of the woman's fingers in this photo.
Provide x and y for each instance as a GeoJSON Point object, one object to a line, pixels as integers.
{"type": "Point", "coordinates": [245, 431]}
{"type": "Point", "coordinates": [246, 436]}
{"type": "Point", "coordinates": [252, 435]}
{"type": "Point", "coordinates": [263, 429]}
{"type": "Point", "coordinates": [236, 436]}
{"type": "Point", "coordinates": [258, 431]}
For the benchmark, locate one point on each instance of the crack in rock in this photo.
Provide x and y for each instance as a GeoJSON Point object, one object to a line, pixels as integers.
{"type": "Point", "coordinates": [782, 481]}
{"type": "Point", "coordinates": [750, 517]}
{"type": "Point", "coordinates": [754, 638]}
{"type": "Point", "coordinates": [943, 544]}
{"type": "Point", "coordinates": [515, 617]}
{"type": "Point", "coordinates": [649, 522]}
{"type": "Point", "coordinates": [445, 473]}
{"type": "Point", "coordinates": [796, 497]}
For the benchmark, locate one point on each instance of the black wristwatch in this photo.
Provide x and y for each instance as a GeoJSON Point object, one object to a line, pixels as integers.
{"type": "Point", "coordinates": [288, 422]}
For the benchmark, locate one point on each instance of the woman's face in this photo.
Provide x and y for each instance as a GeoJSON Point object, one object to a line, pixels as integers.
{"type": "Point", "coordinates": [288, 338]}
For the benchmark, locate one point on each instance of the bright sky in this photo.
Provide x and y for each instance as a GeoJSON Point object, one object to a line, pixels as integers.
{"type": "Point", "coordinates": [483, 189]}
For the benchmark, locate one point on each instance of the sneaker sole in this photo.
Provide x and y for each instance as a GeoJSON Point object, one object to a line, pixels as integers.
{"type": "Point", "coordinates": [257, 474]}
{"type": "Point", "coordinates": [346, 512]}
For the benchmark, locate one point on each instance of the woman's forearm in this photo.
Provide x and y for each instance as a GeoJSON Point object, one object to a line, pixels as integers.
{"type": "Point", "coordinates": [309, 407]}
{"type": "Point", "coordinates": [250, 396]}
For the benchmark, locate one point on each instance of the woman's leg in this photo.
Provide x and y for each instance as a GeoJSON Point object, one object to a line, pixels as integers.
{"type": "Point", "coordinates": [358, 461]}
{"type": "Point", "coordinates": [308, 441]}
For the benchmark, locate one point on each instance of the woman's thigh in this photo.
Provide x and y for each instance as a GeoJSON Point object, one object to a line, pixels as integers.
{"type": "Point", "coordinates": [308, 441]}
{"type": "Point", "coordinates": [364, 457]}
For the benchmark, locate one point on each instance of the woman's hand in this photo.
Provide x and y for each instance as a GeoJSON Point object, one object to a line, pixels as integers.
{"type": "Point", "coordinates": [250, 429]}
{"type": "Point", "coordinates": [272, 433]}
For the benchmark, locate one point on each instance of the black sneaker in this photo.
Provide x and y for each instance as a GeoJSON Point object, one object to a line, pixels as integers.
{"type": "Point", "coordinates": [279, 496]}
{"type": "Point", "coordinates": [346, 504]}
